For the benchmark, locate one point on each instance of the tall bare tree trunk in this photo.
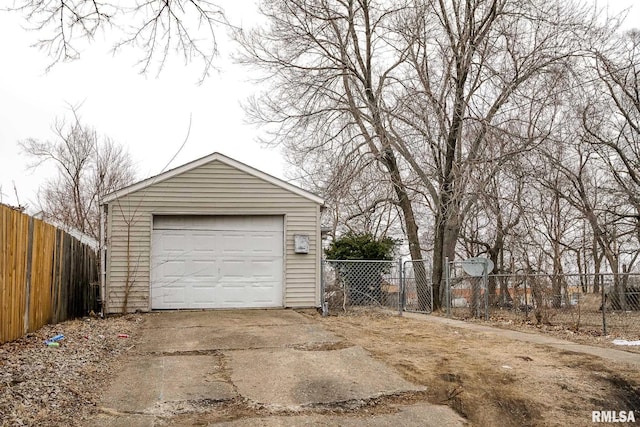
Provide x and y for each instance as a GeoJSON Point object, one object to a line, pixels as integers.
{"type": "Point", "coordinates": [446, 226]}
{"type": "Point", "coordinates": [422, 286]}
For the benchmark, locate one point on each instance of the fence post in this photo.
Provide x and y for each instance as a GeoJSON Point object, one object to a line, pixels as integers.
{"type": "Point", "coordinates": [323, 303]}
{"type": "Point", "coordinates": [29, 268]}
{"type": "Point", "coordinates": [526, 303]}
{"type": "Point", "coordinates": [401, 288]}
{"type": "Point", "coordinates": [431, 302]}
{"type": "Point", "coordinates": [603, 299]}
{"type": "Point", "coordinates": [485, 279]}
{"type": "Point", "coordinates": [448, 288]}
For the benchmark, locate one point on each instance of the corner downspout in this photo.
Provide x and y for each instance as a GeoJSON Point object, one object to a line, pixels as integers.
{"type": "Point", "coordinates": [103, 259]}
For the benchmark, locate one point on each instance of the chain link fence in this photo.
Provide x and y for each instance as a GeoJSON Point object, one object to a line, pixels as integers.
{"type": "Point", "coordinates": [349, 285]}
{"type": "Point", "coordinates": [599, 304]}
{"type": "Point", "coordinates": [395, 285]}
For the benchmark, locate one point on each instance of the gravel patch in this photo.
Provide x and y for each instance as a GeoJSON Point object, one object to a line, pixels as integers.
{"type": "Point", "coordinates": [53, 386]}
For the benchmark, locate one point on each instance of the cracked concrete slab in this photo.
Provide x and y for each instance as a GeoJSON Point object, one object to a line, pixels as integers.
{"type": "Point", "coordinates": [228, 318]}
{"type": "Point", "coordinates": [294, 378]}
{"type": "Point", "coordinates": [232, 335]}
{"type": "Point", "coordinates": [406, 416]}
{"type": "Point", "coordinates": [145, 382]}
{"type": "Point", "coordinates": [125, 393]}
{"type": "Point", "coordinates": [194, 378]}
{"type": "Point", "coordinates": [278, 359]}
{"type": "Point", "coordinates": [124, 420]}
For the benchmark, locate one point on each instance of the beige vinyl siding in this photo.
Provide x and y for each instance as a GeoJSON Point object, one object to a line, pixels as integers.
{"type": "Point", "coordinates": [214, 188]}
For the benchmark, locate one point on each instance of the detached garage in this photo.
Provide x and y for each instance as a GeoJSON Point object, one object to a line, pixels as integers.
{"type": "Point", "coordinates": [214, 233]}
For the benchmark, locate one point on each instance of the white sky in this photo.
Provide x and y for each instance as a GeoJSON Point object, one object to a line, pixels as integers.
{"type": "Point", "coordinates": [149, 115]}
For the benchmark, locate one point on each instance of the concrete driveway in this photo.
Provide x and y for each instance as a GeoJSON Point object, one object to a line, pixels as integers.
{"type": "Point", "coordinates": [255, 367]}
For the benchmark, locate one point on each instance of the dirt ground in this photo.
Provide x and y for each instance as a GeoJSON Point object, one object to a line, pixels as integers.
{"type": "Point", "coordinates": [490, 381]}
{"type": "Point", "coordinates": [567, 332]}
{"type": "Point", "coordinates": [496, 381]}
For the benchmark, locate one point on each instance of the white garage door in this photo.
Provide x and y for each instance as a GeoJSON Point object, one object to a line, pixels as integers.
{"type": "Point", "coordinates": [216, 262]}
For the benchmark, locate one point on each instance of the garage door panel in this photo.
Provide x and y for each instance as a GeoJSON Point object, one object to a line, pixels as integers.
{"type": "Point", "coordinates": [264, 244]}
{"type": "Point", "coordinates": [173, 269]}
{"type": "Point", "coordinates": [233, 269]}
{"type": "Point", "coordinates": [252, 270]}
{"type": "Point", "coordinates": [217, 262]}
{"type": "Point", "coordinates": [233, 243]}
{"type": "Point", "coordinates": [179, 255]}
{"type": "Point", "coordinates": [202, 295]}
{"type": "Point", "coordinates": [173, 240]}
{"type": "Point", "coordinates": [252, 223]}
{"type": "Point", "coordinates": [204, 270]}
{"type": "Point", "coordinates": [261, 295]}
{"type": "Point", "coordinates": [269, 268]}
{"type": "Point", "coordinates": [202, 286]}
{"type": "Point", "coordinates": [237, 295]}
{"type": "Point", "coordinates": [201, 241]}
{"type": "Point", "coordinates": [231, 286]}
{"type": "Point", "coordinates": [174, 295]}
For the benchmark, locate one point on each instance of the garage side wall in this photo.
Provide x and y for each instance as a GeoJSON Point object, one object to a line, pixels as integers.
{"type": "Point", "coordinates": [211, 189]}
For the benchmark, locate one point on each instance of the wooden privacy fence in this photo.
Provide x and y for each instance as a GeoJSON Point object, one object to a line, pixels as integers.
{"type": "Point", "coordinates": [46, 275]}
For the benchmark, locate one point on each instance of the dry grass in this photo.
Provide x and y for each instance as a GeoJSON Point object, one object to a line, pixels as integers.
{"type": "Point", "coordinates": [494, 381]}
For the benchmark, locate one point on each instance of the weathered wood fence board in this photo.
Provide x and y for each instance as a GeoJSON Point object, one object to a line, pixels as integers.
{"type": "Point", "coordinates": [46, 275]}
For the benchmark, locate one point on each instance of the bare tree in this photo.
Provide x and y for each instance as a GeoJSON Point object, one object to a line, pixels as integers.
{"type": "Point", "coordinates": [485, 71]}
{"type": "Point", "coordinates": [332, 62]}
{"type": "Point", "coordinates": [610, 133]}
{"type": "Point", "coordinates": [611, 122]}
{"type": "Point", "coordinates": [585, 185]}
{"type": "Point", "coordinates": [420, 87]}
{"type": "Point", "coordinates": [492, 223]}
{"type": "Point", "coordinates": [87, 167]}
{"type": "Point", "coordinates": [187, 27]}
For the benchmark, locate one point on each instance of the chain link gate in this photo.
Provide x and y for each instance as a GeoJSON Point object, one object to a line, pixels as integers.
{"type": "Point", "coordinates": [466, 288]}
{"type": "Point", "coordinates": [417, 288]}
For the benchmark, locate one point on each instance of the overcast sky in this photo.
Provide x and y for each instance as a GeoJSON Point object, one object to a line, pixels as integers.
{"type": "Point", "coordinates": [148, 114]}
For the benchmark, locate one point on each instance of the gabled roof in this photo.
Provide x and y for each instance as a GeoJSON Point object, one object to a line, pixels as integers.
{"type": "Point", "coordinates": [202, 161]}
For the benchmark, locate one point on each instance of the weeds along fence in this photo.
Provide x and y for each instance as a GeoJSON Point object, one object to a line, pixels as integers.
{"type": "Point", "coordinates": [46, 275]}
{"type": "Point", "coordinates": [597, 304]}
